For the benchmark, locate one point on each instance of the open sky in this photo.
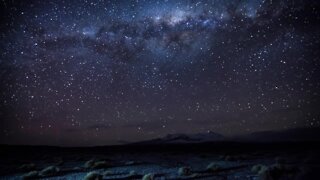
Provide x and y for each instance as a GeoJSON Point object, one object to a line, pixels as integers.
{"type": "Point", "coordinates": [108, 72]}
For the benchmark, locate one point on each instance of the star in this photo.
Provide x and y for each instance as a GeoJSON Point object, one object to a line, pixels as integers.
{"type": "Point", "coordinates": [143, 69]}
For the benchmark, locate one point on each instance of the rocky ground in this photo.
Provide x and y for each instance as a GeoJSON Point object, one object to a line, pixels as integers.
{"type": "Point", "coordinates": [260, 164]}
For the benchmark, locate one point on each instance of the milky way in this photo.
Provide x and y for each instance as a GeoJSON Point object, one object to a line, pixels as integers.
{"type": "Point", "coordinates": [108, 72]}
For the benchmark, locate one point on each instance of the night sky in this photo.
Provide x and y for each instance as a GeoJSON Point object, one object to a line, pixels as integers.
{"type": "Point", "coordinates": [77, 73]}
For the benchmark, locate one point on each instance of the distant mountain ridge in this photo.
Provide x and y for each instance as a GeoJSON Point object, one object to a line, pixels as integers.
{"type": "Point", "coordinates": [290, 135]}
{"type": "Point", "coordinates": [185, 138]}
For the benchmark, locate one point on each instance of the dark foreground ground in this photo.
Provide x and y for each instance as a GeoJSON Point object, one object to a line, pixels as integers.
{"type": "Point", "coordinates": [221, 160]}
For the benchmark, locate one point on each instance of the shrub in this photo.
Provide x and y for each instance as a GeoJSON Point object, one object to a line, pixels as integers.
{"type": "Point", "coordinates": [89, 163]}
{"type": "Point", "coordinates": [100, 164]}
{"type": "Point", "coordinates": [93, 176]}
{"type": "Point", "coordinates": [213, 167]}
{"type": "Point", "coordinates": [184, 171]}
{"type": "Point", "coordinates": [257, 168]}
{"type": "Point", "coordinates": [77, 169]}
{"type": "Point", "coordinates": [132, 173]}
{"type": "Point", "coordinates": [107, 173]}
{"type": "Point", "coordinates": [277, 171]}
{"type": "Point", "coordinates": [194, 175]}
{"type": "Point", "coordinates": [128, 163]}
{"type": "Point", "coordinates": [148, 176]}
{"type": "Point", "coordinates": [92, 164]}
{"type": "Point", "coordinates": [270, 173]}
{"type": "Point", "coordinates": [60, 162]}
{"type": "Point", "coordinates": [27, 167]}
{"type": "Point", "coordinates": [48, 171]}
{"type": "Point", "coordinates": [230, 158]}
{"type": "Point", "coordinates": [222, 157]}
{"type": "Point", "coordinates": [31, 175]}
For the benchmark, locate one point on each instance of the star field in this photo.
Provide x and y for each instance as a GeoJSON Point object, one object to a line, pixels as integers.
{"type": "Point", "coordinates": [107, 72]}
